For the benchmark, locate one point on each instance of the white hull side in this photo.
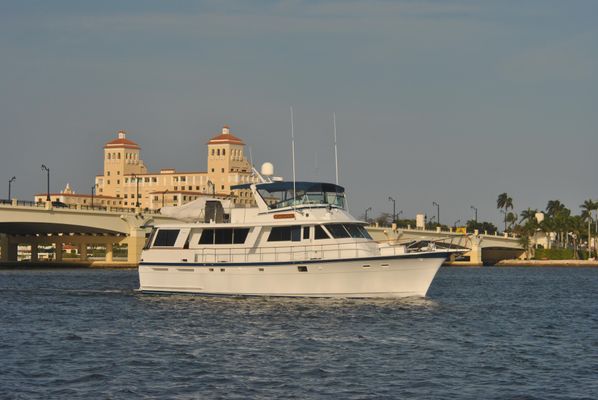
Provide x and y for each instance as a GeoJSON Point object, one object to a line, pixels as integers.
{"type": "Point", "coordinates": [385, 277]}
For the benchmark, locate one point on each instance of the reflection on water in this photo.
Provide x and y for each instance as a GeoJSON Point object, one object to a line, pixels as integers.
{"type": "Point", "coordinates": [481, 333]}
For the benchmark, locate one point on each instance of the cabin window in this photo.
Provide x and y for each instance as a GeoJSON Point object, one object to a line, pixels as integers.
{"type": "Point", "coordinates": [166, 237]}
{"type": "Point", "coordinates": [354, 231]}
{"type": "Point", "coordinates": [306, 232]}
{"type": "Point", "coordinates": [320, 233]}
{"type": "Point", "coordinates": [149, 239]}
{"type": "Point", "coordinates": [285, 233]}
{"type": "Point", "coordinates": [224, 236]}
{"type": "Point", "coordinates": [337, 231]}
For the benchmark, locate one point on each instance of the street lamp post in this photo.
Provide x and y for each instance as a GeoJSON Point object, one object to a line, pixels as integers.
{"type": "Point", "coordinates": [136, 189]}
{"type": "Point", "coordinates": [10, 181]}
{"type": "Point", "coordinates": [366, 213]}
{"type": "Point", "coordinates": [163, 193]}
{"type": "Point", "coordinates": [44, 168]}
{"type": "Point", "coordinates": [437, 211]}
{"type": "Point", "coordinates": [394, 208]}
{"type": "Point", "coordinates": [476, 214]}
{"type": "Point", "coordinates": [93, 191]}
{"type": "Point", "coordinates": [457, 222]}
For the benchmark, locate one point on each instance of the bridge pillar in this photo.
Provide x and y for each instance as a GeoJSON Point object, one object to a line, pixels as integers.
{"type": "Point", "coordinates": [109, 252]}
{"type": "Point", "coordinates": [58, 251]}
{"type": "Point", "coordinates": [475, 254]}
{"type": "Point", "coordinates": [34, 252]}
{"type": "Point", "coordinates": [8, 250]}
{"type": "Point", "coordinates": [83, 251]}
{"type": "Point", "coordinates": [135, 243]}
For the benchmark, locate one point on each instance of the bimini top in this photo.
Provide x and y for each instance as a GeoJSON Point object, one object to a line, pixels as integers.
{"type": "Point", "coordinates": [278, 195]}
{"type": "Point", "coordinates": [298, 186]}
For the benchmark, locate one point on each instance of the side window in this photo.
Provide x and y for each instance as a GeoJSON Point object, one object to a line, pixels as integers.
{"type": "Point", "coordinates": [166, 237]}
{"type": "Point", "coordinates": [149, 240]}
{"type": "Point", "coordinates": [240, 235]}
{"type": "Point", "coordinates": [338, 231]}
{"type": "Point", "coordinates": [207, 236]}
{"type": "Point", "coordinates": [364, 232]}
{"type": "Point", "coordinates": [224, 236]}
{"type": "Point", "coordinates": [354, 231]}
{"type": "Point", "coordinates": [285, 233]}
{"type": "Point", "coordinates": [306, 232]}
{"type": "Point", "coordinates": [320, 233]}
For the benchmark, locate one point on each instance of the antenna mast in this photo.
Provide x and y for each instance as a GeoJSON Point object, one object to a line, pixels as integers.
{"type": "Point", "coordinates": [335, 148]}
{"type": "Point", "coordinates": [293, 151]}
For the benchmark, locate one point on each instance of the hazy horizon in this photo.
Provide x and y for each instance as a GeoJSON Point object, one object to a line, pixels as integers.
{"type": "Point", "coordinates": [446, 101]}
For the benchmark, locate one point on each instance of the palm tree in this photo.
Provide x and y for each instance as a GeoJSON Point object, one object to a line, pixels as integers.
{"type": "Point", "coordinates": [554, 207]}
{"type": "Point", "coordinates": [528, 215]}
{"type": "Point", "coordinates": [588, 206]}
{"type": "Point", "coordinates": [504, 201]}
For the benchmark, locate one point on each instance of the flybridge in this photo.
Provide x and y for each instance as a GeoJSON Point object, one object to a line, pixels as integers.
{"type": "Point", "coordinates": [287, 194]}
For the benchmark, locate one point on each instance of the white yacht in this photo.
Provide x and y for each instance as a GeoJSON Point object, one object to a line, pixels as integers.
{"type": "Point", "coordinates": [299, 241]}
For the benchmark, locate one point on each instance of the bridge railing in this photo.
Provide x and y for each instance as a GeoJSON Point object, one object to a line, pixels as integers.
{"type": "Point", "coordinates": [64, 206]}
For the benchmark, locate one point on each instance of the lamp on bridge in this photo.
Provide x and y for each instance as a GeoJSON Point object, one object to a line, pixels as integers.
{"type": "Point", "coordinates": [366, 213]}
{"type": "Point", "coordinates": [437, 211]}
{"type": "Point", "coordinates": [476, 214]}
{"type": "Point", "coordinates": [10, 181]}
{"type": "Point", "coordinates": [93, 191]}
{"type": "Point", "coordinates": [44, 168]}
{"type": "Point", "coordinates": [394, 208]}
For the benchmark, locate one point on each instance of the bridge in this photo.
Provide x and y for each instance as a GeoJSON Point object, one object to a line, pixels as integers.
{"type": "Point", "coordinates": [482, 248]}
{"type": "Point", "coordinates": [39, 225]}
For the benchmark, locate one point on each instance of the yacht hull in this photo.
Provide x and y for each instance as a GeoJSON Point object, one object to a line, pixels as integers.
{"type": "Point", "coordinates": [396, 276]}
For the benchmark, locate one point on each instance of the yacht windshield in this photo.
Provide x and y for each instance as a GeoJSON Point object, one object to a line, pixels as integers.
{"type": "Point", "coordinates": [284, 194]}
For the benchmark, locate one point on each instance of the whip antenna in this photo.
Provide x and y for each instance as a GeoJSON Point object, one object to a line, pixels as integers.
{"type": "Point", "coordinates": [293, 151]}
{"type": "Point", "coordinates": [335, 148]}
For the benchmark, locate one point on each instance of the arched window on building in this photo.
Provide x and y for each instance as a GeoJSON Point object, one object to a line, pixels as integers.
{"type": "Point", "coordinates": [108, 156]}
{"type": "Point", "coordinates": [119, 156]}
{"type": "Point", "coordinates": [223, 152]}
{"type": "Point", "coordinates": [212, 151]}
{"type": "Point", "coordinates": [218, 152]}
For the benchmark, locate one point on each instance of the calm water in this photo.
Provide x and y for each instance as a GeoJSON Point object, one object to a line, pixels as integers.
{"type": "Point", "coordinates": [483, 333]}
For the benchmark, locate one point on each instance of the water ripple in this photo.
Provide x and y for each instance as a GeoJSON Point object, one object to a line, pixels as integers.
{"type": "Point", "coordinates": [482, 333]}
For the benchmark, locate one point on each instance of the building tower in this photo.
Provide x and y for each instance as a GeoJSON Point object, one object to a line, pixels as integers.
{"type": "Point", "coordinates": [121, 157]}
{"type": "Point", "coordinates": [226, 161]}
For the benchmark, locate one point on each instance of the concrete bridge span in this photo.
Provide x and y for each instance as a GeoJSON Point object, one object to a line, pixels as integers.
{"type": "Point", "coordinates": [482, 248]}
{"type": "Point", "coordinates": [41, 225]}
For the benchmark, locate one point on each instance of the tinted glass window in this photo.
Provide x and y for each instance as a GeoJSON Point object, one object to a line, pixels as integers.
{"type": "Point", "coordinates": [223, 236]}
{"type": "Point", "coordinates": [207, 236]}
{"type": "Point", "coordinates": [338, 231]}
{"type": "Point", "coordinates": [354, 231]}
{"type": "Point", "coordinates": [166, 237]}
{"type": "Point", "coordinates": [364, 232]}
{"type": "Point", "coordinates": [306, 232]}
{"type": "Point", "coordinates": [285, 233]}
{"type": "Point", "coordinates": [240, 234]}
{"type": "Point", "coordinates": [320, 233]}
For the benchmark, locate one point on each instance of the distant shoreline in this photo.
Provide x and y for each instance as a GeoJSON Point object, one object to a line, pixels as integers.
{"type": "Point", "coordinates": [125, 265]}
{"type": "Point", "coordinates": [531, 263]}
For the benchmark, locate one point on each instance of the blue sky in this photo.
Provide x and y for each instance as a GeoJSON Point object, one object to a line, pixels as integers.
{"type": "Point", "coordinates": [446, 101]}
